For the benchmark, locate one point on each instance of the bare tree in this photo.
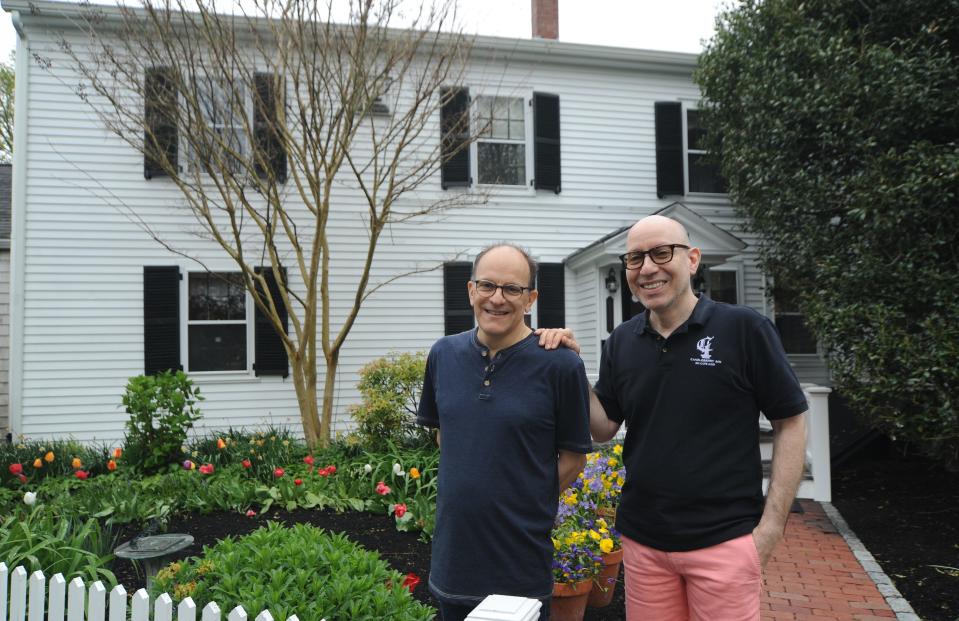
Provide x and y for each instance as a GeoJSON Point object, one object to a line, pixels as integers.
{"type": "Point", "coordinates": [268, 118]}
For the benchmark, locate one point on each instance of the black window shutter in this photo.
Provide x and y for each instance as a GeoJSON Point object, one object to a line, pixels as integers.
{"type": "Point", "coordinates": [457, 311]}
{"type": "Point", "coordinates": [454, 127]}
{"type": "Point", "coordinates": [160, 120]}
{"type": "Point", "coordinates": [669, 148]}
{"type": "Point", "coordinates": [268, 100]}
{"type": "Point", "coordinates": [270, 355]}
{"type": "Point", "coordinates": [547, 169]}
{"type": "Point", "coordinates": [161, 319]}
{"type": "Point", "coordinates": [551, 303]}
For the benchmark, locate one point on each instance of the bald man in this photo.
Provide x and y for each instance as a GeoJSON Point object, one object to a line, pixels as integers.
{"type": "Point", "coordinates": [689, 378]}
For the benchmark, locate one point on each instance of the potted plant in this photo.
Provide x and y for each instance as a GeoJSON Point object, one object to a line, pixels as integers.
{"type": "Point", "coordinates": [576, 562]}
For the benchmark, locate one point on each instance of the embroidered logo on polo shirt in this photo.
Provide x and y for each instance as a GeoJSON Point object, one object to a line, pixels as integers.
{"type": "Point", "coordinates": [705, 347]}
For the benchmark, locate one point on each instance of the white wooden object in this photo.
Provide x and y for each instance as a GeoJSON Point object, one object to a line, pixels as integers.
{"type": "Point", "coordinates": [506, 608]}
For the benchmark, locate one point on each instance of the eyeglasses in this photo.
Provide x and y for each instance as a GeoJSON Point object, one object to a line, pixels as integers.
{"type": "Point", "coordinates": [486, 289]}
{"type": "Point", "coordinates": [658, 255]}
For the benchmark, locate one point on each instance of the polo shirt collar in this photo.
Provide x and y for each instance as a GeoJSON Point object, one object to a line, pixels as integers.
{"type": "Point", "coordinates": [700, 315]}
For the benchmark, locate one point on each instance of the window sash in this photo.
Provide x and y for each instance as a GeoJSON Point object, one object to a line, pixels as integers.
{"type": "Point", "coordinates": [503, 147]}
{"type": "Point", "coordinates": [211, 344]}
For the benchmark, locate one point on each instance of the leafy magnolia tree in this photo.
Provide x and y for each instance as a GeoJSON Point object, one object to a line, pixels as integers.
{"type": "Point", "coordinates": [270, 121]}
{"type": "Point", "coordinates": [6, 110]}
{"type": "Point", "coordinates": [839, 122]}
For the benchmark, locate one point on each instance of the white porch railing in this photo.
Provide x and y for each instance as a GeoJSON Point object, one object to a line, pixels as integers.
{"type": "Point", "coordinates": [819, 486]}
{"type": "Point", "coordinates": [32, 600]}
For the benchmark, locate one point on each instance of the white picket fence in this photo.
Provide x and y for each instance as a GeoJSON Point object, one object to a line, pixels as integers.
{"type": "Point", "coordinates": [31, 600]}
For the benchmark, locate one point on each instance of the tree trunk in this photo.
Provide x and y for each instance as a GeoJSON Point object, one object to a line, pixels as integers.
{"type": "Point", "coordinates": [304, 382]}
{"type": "Point", "coordinates": [325, 422]}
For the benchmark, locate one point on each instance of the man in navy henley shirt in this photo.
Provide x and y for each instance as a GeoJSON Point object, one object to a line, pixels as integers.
{"type": "Point", "coordinates": [513, 427]}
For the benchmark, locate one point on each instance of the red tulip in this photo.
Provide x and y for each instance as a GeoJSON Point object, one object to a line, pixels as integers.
{"type": "Point", "coordinates": [16, 469]}
{"type": "Point", "coordinates": [297, 481]}
{"type": "Point", "coordinates": [308, 460]}
{"type": "Point", "coordinates": [246, 463]}
{"type": "Point", "coordinates": [206, 469]}
{"type": "Point", "coordinates": [410, 581]}
{"type": "Point", "coordinates": [399, 509]}
{"type": "Point", "coordinates": [250, 513]}
{"type": "Point", "coordinates": [81, 474]}
{"type": "Point", "coordinates": [278, 472]}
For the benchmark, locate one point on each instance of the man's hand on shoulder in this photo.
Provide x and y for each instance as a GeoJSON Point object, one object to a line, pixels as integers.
{"type": "Point", "coordinates": [552, 338]}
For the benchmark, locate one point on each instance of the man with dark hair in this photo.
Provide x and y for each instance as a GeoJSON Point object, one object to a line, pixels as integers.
{"type": "Point", "coordinates": [689, 377]}
{"type": "Point", "coordinates": [513, 430]}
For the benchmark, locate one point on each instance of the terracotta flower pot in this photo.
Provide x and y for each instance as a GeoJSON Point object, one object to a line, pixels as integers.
{"type": "Point", "coordinates": [569, 601]}
{"type": "Point", "coordinates": [605, 583]}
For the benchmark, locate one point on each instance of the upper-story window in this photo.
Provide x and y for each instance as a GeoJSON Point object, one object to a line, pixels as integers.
{"type": "Point", "coordinates": [796, 336]}
{"type": "Point", "coordinates": [683, 165]}
{"type": "Point", "coordinates": [223, 110]}
{"type": "Point", "coordinates": [244, 124]}
{"type": "Point", "coordinates": [501, 145]}
{"type": "Point", "coordinates": [702, 174]}
{"type": "Point", "coordinates": [500, 140]}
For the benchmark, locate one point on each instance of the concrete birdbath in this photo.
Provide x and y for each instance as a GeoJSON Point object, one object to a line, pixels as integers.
{"type": "Point", "coordinates": [154, 551]}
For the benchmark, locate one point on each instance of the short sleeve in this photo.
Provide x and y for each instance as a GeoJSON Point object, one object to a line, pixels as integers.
{"type": "Point", "coordinates": [572, 409]}
{"type": "Point", "coordinates": [605, 386]}
{"type": "Point", "coordinates": [427, 414]}
{"type": "Point", "coordinates": [777, 389]}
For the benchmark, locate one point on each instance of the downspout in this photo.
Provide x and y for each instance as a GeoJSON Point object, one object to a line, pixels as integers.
{"type": "Point", "coordinates": [18, 204]}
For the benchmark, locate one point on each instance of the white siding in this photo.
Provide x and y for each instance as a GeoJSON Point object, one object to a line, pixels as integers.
{"type": "Point", "coordinates": [82, 324]}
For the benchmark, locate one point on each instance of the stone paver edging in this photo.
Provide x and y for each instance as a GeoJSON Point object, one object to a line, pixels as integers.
{"type": "Point", "coordinates": [894, 598]}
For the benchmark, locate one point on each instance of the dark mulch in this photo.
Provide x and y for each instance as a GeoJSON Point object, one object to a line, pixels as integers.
{"type": "Point", "coordinates": [403, 551]}
{"type": "Point", "coordinates": [905, 509]}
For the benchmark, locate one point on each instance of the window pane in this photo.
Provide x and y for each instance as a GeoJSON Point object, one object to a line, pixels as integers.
{"type": "Point", "coordinates": [704, 175]}
{"type": "Point", "coordinates": [216, 296]}
{"type": "Point", "coordinates": [218, 347]}
{"type": "Point", "coordinates": [694, 131]}
{"type": "Point", "coordinates": [796, 337]}
{"type": "Point", "coordinates": [501, 164]}
{"type": "Point", "coordinates": [722, 286]}
{"type": "Point", "coordinates": [500, 129]}
{"type": "Point", "coordinates": [516, 131]}
{"type": "Point", "coordinates": [516, 109]}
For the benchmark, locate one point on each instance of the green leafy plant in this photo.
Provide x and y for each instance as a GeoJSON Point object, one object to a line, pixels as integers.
{"type": "Point", "coordinates": [28, 462]}
{"type": "Point", "coordinates": [391, 387]}
{"type": "Point", "coordinates": [300, 570]}
{"type": "Point", "coordinates": [40, 540]}
{"type": "Point", "coordinates": [162, 409]}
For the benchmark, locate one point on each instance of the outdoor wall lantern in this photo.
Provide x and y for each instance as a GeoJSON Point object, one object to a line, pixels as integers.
{"type": "Point", "coordinates": [612, 283]}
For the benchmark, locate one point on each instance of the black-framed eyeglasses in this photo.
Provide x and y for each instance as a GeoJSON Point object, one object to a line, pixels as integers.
{"type": "Point", "coordinates": [658, 255]}
{"type": "Point", "coordinates": [486, 289]}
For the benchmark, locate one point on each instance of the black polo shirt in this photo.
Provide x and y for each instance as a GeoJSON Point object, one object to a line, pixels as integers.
{"type": "Point", "coordinates": [691, 404]}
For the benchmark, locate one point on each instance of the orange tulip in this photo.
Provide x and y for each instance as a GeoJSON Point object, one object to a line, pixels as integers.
{"type": "Point", "coordinates": [37, 463]}
{"type": "Point", "coordinates": [111, 465]}
{"type": "Point", "coordinates": [49, 457]}
{"type": "Point", "coordinates": [220, 444]}
{"type": "Point", "coordinates": [414, 473]}
{"type": "Point", "coordinates": [117, 453]}
{"type": "Point", "coordinates": [77, 464]}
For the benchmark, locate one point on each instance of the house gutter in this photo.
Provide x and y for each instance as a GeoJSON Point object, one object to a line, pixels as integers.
{"type": "Point", "coordinates": [18, 216]}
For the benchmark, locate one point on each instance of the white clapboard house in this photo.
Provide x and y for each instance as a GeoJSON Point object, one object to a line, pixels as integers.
{"type": "Point", "coordinates": [601, 136]}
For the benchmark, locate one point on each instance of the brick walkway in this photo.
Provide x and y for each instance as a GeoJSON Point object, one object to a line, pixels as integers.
{"type": "Point", "coordinates": [814, 575]}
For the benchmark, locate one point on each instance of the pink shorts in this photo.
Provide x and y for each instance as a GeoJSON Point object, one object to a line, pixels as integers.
{"type": "Point", "coordinates": [719, 583]}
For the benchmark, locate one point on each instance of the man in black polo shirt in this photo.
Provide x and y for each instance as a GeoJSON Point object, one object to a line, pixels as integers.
{"type": "Point", "coordinates": [689, 377]}
{"type": "Point", "coordinates": [513, 430]}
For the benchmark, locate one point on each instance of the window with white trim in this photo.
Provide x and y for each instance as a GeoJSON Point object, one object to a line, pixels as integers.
{"type": "Point", "coordinates": [501, 153]}
{"type": "Point", "coordinates": [217, 322]}
{"type": "Point", "coordinates": [223, 111]}
{"type": "Point", "coordinates": [791, 323]}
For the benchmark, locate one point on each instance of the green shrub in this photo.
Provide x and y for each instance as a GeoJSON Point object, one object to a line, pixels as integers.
{"type": "Point", "coordinates": [162, 409]}
{"type": "Point", "coordinates": [391, 387]}
{"type": "Point", "coordinates": [300, 570]}
{"type": "Point", "coordinates": [42, 541]}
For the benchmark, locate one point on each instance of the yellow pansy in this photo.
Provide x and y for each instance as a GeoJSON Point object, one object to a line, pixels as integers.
{"type": "Point", "coordinates": [618, 449]}
{"type": "Point", "coordinates": [606, 545]}
{"type": "Point", "coordinates": [594, 535]}
{"type": "Point", "coordinates": [612, 462]}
